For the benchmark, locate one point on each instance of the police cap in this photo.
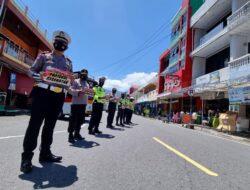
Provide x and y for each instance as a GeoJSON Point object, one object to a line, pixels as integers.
{"type": "Point", "coordinates": [61, 35]}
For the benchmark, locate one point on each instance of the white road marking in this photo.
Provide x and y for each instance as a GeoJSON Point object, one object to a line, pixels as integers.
{"type": "Point", "coordinates": [21, 136]}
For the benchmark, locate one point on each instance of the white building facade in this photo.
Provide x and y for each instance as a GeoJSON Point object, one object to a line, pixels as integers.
{"type": "Point", "coordinates": [221, 55]}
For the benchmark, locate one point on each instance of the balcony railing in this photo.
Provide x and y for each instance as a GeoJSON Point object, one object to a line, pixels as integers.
{"type": "Point", "coordinates": [212, 33]}
{"type": "Point", "coordinates": [239, 70]}
{"type": "Point", "coordinates": [240, 16]}
{"type": "Point", "coordinates": [14, 51]}
{"type": "Point", "coordinates": [218, 76]}
{"type": "Point", "coordinates": [33, 20]}
{"type": "Point", "coordinates": [240, 62]}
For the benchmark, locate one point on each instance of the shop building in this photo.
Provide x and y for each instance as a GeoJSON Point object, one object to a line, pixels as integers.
{"type": "Point", "coordinates": [21, 40]}
{"type": "Point", "coordinates": [175, 75]}
{"type": "Point", "coordinates": [146, 97]}
{"type": "Point", "coordinates": [220, 52]}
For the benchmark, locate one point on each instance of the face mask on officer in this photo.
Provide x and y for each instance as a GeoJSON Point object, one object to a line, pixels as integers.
{"type": "Point", "coordinates": [84, 76]}
{"type": "Point", "coordinates": [60, 45]}
{"type": "Point", "coordinates": [101, 83]}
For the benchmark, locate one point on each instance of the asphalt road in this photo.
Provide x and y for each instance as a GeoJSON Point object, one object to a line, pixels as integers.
{"type": "Point", "coordinates": [148, 156]}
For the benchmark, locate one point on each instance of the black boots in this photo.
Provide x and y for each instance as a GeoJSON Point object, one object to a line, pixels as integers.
{"type": "Point", "coordinates": [49, 158]}
{"type": "Point", "coordinates": [26, 166]}
{"type": "Point", "coordinates": [78, 137]}
{"type": "Point", "coordinates": [71, 138]}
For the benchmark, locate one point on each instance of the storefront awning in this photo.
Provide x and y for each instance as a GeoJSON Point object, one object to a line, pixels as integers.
{"type": "Point", "coordinates": [167, 95]}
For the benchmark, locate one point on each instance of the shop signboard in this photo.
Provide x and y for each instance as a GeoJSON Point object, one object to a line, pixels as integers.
{"type": "Point", "coordinates": [203, 79]}
{"type": "Point", "coordinates": [12, 85]}
{"type": "Point", "coordinates": [172, 82]}
{"type": "Point", "coordinates": [215, 77]}
{"type": "Point", "coordinates": [238, 96]}
{"type": "Point", "coordinates": [208, 96]}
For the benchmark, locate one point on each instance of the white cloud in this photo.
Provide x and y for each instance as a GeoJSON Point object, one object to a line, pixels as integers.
{"type": "Point", "coordinates": [123, 85]}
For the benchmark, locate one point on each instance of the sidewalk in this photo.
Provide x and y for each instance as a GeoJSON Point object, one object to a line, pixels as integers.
{"type": "Point", "coordinates": [238, 136]}
{"type": "Point", "coordinates": [245, 137]}
{"type": "Point", "coordinates": [241, 137]}
{"type": "Point", "coordinates": [10, 111]}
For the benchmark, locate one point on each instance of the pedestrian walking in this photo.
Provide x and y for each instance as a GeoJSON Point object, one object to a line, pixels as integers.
{"type": "Point", "coordinates": [121, 107]}
{"type": "Point", "coordinates": [99, 100]}
{"type": "Point", "coordinates": [112, 108]}
{"type": "Point", "coordinates": [80, 91]}
{"type": "Point", "coordinates": [47, 101]}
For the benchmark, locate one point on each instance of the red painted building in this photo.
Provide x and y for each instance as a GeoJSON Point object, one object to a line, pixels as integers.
{"type": "Point", "coordinates": [21, 40]}
{"type": "Point", "coordinates": [175, 73]}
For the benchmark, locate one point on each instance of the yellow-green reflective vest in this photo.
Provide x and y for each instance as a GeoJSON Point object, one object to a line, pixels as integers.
{"type": "Point", "coordinates": [99, 92]}
{"type": "Point", "coordinates": [131, 106]}
{"type": "Point", "coordinates": [121, 103]}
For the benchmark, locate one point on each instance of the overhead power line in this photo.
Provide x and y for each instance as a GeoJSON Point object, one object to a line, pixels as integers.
{"type": "Point", "coordinates": [147, 44]}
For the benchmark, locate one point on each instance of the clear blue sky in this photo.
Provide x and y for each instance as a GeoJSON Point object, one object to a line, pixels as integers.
{"type": "Point", "coordinates": [104, 31]}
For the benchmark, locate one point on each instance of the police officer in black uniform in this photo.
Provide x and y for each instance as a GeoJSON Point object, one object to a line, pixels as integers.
{"type": "Point", "coordinates": [111, 108]}
{"type": "Point", "coordinates": [47, 102]}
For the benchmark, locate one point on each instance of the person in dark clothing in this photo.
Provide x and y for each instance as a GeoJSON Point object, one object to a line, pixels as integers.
{"type": "Point", "coordinates": [130, 111]}
{"type": "Point", "coordinates": [121, 107]}
{"type": "Point", "coordinates": [112, 108]}
{"type": "Point", "coordinates": [126, 109]}
{"type": "Point", "coordinates": [79, 90]}
{"type": "Point", "coordinates": [47, 101]}
{"type": "Point", "coordinates": [99, 100]}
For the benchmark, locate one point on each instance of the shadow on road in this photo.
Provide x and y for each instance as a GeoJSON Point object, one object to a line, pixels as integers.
{"type": "Point", "coordinates": [105, 136]}
{"type": "Point", "coordinates": [128, 127]}
{"type": "Point", "coordinates": [134, 124]}
{"type": "Point", "coordinates": [51, 176]}
{"type": "Point", "coordinates": [117, 129]}
{"type": "Point", "coordinates": [85, 144]}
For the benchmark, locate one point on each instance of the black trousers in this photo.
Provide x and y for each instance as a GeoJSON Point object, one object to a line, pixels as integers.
{"type": "Point", "coordinates": [129, 116]}
{"type": "Point", "coordinates": [111, 113]}
{"type": "Point", "coordinates": [77, 118]}
{"type": "Point", "coordinates": [120, 116]}
{"type": "Point", "coordinates": [125, 115]}
{"type": "Point", "coordinates": [96, 116]}
{"type": "Point", "coordinates": [46, 106]}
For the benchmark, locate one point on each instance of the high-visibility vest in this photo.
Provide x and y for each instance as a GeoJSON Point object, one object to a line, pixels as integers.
{"type": "Point", "coordinates": [131, 106]}
{"type": "Point", "coordinates": [127, 103]}
{"type": "Point", "coordinates": [99, 93]}
{"type": "Point", "coordinates": [122, 103]}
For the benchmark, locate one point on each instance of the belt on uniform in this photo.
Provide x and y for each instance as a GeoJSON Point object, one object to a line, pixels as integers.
{"type": "Point", "coordinates": [51, 87]}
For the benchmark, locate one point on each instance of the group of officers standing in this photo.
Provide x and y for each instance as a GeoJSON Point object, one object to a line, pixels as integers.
{"type": "Point", "coordinates": [48, 99]}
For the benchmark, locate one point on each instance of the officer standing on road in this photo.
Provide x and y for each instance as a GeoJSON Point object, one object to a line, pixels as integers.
{"type": "Point", "coordinates": [126, 110]}
{"type": "Point", "coordinates": [130, 111]}
{"type": "Point", "coordinates": [99, 100]}
{"type": "Point", "coordinates": [121, 104]}
{"type": "Point", "coordinates": [47, 102]}
{"type": "Point", "coordinates": [78, 106]}
{"type": "Point", "coordinates": [111, 108]}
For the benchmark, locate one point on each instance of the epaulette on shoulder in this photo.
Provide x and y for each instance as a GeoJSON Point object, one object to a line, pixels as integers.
{"type": "Point", "coordinates": [68, 59]}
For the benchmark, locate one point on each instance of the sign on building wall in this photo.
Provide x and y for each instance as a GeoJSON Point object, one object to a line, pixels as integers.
{"type": "Point", "coordinates": [203, 79]}
{"type": "Point", "coordinates": [238, 96]}
{"type": "Point", "coordinates": [215, 77]}
{"type": "Point", "coordinates": [12, 85]}
{"type": "Point", "coordinates": [172, 82]}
